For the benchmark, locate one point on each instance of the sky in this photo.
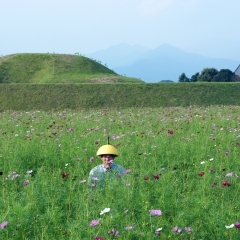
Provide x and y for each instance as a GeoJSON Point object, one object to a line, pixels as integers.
{"type": "Point", "coordinates": [207, 27]}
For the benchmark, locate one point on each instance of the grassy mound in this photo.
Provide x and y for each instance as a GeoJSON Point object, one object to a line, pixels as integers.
{"type": "Point", "coordinates": [56, 68]}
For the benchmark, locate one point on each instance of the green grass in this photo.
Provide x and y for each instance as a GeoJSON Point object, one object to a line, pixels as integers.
{"type": "Point", "coordinates": [114, 95]}
{"type": "Point", "coordinates": [55, 68]}
{"type": "Point", "coordinates": [177, 143]}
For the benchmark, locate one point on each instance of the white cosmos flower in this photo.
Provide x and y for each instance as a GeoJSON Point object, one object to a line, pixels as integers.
{"type": "Point", "coordinates": [202, 162]}
{"type": "Point", "coordinates": [105, 211]}
{"type": "Point", "coordinates": [158, 230]}
{"type": "Point", "coordinates": [230, 226]}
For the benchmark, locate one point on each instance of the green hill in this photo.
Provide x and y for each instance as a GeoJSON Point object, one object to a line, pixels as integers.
{"type": "Point", "coordinates": [56, 68]}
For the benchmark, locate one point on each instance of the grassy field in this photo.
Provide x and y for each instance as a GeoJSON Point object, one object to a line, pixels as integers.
{"type": "Point", "coordinates": [182, 162]}
{"type": "Point", "coordinates": [99, 96]}
{"type": "Point", "coordinates": [56, 68]}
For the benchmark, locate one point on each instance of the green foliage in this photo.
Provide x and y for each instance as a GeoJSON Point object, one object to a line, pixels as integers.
{"type": "Point", "coordinates": [183, 78]}
{"type": "Point", "coordinates": [86, 96]}
{"type": "Point", "coordinates": [207, 74]}
{"type": "Point", "coordinates": [224, 75]}
{"type": "Point", "coordinates": [56, 68]}
{"type": "Point", "coordinates": [194, 77]}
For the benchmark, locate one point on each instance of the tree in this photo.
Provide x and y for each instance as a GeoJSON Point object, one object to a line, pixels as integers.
{"type": "Point", "coordinates": [194, 77]}
{"type": "Point", "coordinates": [207, 74]}
{"type": "Point", "coordinates": [183, 78]}
{"type": "Point", "coordinates": [224, 75]}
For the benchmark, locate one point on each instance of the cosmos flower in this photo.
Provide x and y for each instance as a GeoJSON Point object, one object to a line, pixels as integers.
{"type": "Point", "coordinates": [227, 152]}
{"type": "Point", "coordinates": [26, 182]}
{"type": "Point", "coordinates": [98, 238]}
{"type": "Point", "coordinates": [237, 224]}
{"type": "Point", "coordinates": [156, 176]}
{"type": "Point", "coordinates": [129, 227]}
{"type": "Point", "coordinates": [230, 226]}
{"type": "Point", "coordinates": [201, 174]}
{"type": "Point", "coordinates": [156, 212]}
{"type": "Point", "coordinates": [83, 181]}
{"type": "Point", "coordinates": [91, 159]}
{"type": "Point", "coordinates": [229, 174]}
{"type": "Point", "coordinates": [225, 183]}
{"type": "Point", "coordinates": [3, 224]}
{"type": "Point", "coordinates": [94, 223]}
{"type": "Point", "coordinates": [170, 132]}
{"type": "Point", "coordinates": [146, 178]}
{"type": "Point", "coordinates": [64, 175]}
{"type": "Point", "coordinates": [105, 211]}
{"type": "Point", "coordinates": [126, 171]}
{"type": "Point", "coordinates": [188, 229]}
{"type": "Point", "coordinates": [114, 232]}
{"type": "Point", "coordinates": [158, 231]}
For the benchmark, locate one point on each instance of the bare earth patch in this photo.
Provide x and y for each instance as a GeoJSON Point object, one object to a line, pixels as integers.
{"type": "Point", "coordinates": [104, 80]}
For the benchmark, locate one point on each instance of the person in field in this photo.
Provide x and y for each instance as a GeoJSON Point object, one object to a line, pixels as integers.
{"type": "Point", "coordinates": [108, 168]}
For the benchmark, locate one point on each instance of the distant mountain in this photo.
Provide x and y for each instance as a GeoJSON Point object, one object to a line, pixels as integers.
{"type": "Point", "coordinates": [165, 62]}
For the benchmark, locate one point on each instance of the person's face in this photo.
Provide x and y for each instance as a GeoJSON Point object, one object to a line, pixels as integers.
{"type": "Point", "coordinates": [107, 159]}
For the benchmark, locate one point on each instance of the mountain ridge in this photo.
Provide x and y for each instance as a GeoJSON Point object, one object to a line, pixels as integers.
{"type": "Point", "coordinates": [165, 62]}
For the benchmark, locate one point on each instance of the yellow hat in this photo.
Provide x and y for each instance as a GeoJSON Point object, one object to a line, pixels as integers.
{"type": "Point", "coordinates": [107, 149]}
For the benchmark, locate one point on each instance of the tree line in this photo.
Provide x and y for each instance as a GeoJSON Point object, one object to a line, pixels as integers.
{"type": "Point", "coordinates": [210, 75]}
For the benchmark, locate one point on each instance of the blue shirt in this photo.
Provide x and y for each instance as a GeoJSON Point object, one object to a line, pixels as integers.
{"type": "Point", "coordinates": [99, 173]}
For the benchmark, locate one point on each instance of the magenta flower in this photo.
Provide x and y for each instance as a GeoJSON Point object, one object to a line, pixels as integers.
{"type": "Point", "coordinates": [156, 212]}
{"type": "Point", "coordinates": [225, 183]}
{"type": "Point", "coordinates": [26, 182]}
{"type": "Point", "coordinates": [4, 224]}
{"type": "Point", "coordinates": [98, 238]}
{"type": "Point", "coordinates": [237, 224]}
{"type": "Point", "coordinates": [91, 159]}
{"type": "Point", "coordinates": [170, 132]}
{"type": "Point", "coordinates": [156, 176]}
{"type": "Point", "coordinates": [227, 152]}
{"type": "Point", "coordinates": [94, 223]}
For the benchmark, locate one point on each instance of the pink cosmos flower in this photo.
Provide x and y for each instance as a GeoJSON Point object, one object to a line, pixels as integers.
{"type": "Point", "coordinates": [175, 229]}
{"type": "Point", "coordinates": [188, 229]}
{"type": "Point", "coordinates": [98, 238]}
{"type": "Point", "coordinates": [4, 224]}
{"type": "Point", "coordinates": [94, 223]}
{"type": "Point", "coordinates": [26, 182]}
{"type": "Point", "coordinates": [91, 159]}
{"type": "Point", "coordinates": [227, 152]}
{"type": "Point", "coordinates": [156, 212]}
